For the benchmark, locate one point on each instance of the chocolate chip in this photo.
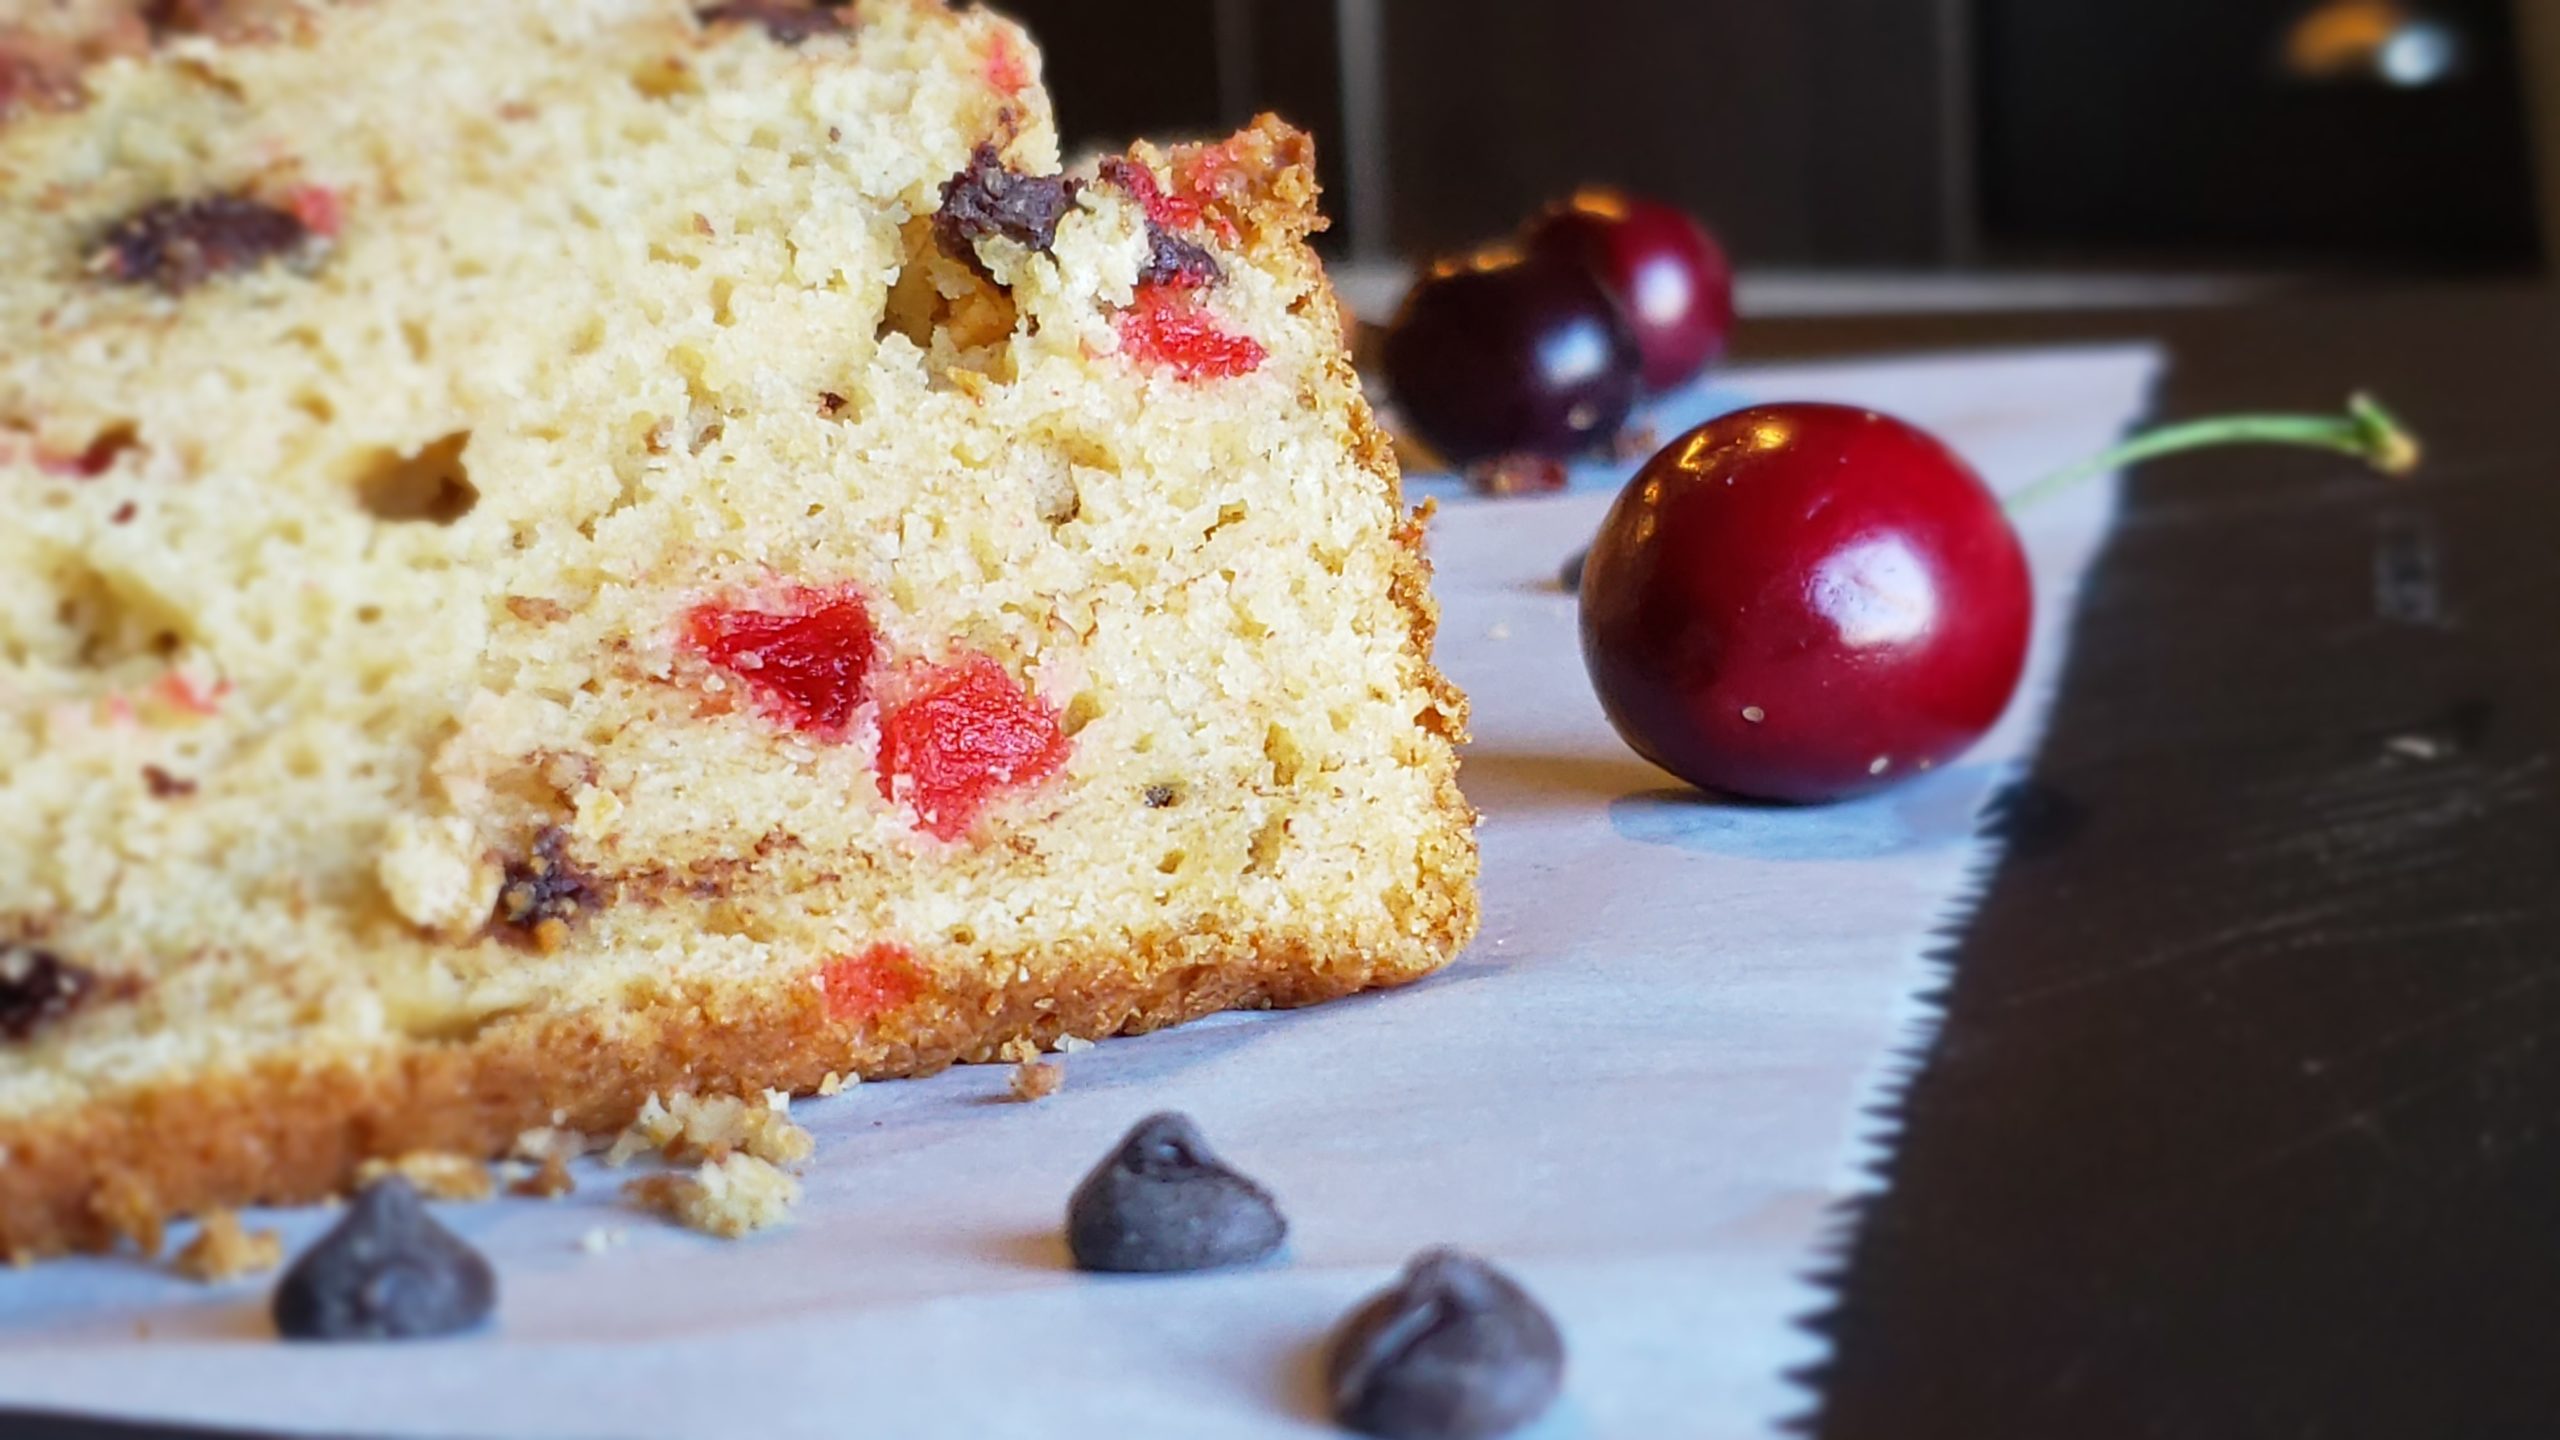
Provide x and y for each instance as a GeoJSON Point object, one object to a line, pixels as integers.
{"type": "Point", "coordinates": [1162, 1202]}
{"type": "Point", "coordinates": [179, 244]}
{"type": "Point", "coordinates": [166, 18]}
{"type": "Point", "coordinates": [1159, 797]}
{"type": "Point", "coordinates": [165, 786]}
{"type": "Point", "coordinates": [387, 1271]}
{"type": "Point", "coordinates": [1454, 1350]}
{"type": "Point", "coordinates": [1172, 260]}
{"type": "Point", "coordinates": [543, 892]}
{"type": "Point", "coordinates": [787, 22]}
{"type": "Point", "coordinates": [988, 199]}
{"type": "Point", "coordinates": [38, 987]}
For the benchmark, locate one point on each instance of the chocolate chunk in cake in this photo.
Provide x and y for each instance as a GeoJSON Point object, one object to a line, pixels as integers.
{"type": "Point", "coordinates": [543, 893]}
{"type": "Point", "coordinates": [988, 199]}
{"type": "Point", "coordinates": [789, 23]}
{"type": "Point", "coordinates": [177, 245]}
{"type": "Point", "coordinates": [38, 987]}
{"type": "Point", "coordinates": [1172, 260]}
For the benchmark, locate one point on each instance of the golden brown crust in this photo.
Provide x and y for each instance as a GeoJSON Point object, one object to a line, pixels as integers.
{"type": "Point", "coordinates": [294, 1130]}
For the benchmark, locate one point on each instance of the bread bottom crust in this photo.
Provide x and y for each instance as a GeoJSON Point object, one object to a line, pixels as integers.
{"type": "Point", "coordinates": [292, 1130]}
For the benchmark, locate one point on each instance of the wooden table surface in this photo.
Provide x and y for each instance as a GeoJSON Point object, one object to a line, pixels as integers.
{"type": "Point", "coordinates": [2245, 1119]}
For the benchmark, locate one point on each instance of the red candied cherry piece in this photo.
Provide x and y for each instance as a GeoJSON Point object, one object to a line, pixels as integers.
{"type": "Point", "coordinates": [1166, 212]}
{"type": "Point", "coordinates": [1170, 327]}
{"type": "Point", "coordinates": [1006, 69]}
{"type": "Point", "coordinates": [321, 210]}
{"type": "Point", "coordinates": [871, 984]}
{"type": "Point", "coordinates": [90, 463]}
{"type": "Point", "coordinates": [968, 734]}
{"type": "Point", "coordinates": [178, 690]}
{"type": "Point", "coordinates": [809, 664]}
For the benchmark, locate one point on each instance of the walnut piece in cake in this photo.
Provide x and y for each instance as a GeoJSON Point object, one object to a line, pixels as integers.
{"type": "Point", "coordinates": [224, 1250]}
{"type": "Point", "coordinates": [729, 1198]}
{"type": "Point", "coordinates": [433, 872]}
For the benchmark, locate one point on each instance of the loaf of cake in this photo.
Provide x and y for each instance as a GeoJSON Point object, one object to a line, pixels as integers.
{"type": "Point", "coordinates": [556, 552]}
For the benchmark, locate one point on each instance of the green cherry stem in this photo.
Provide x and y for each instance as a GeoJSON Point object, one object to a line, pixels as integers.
{"type": "Point", "coordinates": [2366, 432]}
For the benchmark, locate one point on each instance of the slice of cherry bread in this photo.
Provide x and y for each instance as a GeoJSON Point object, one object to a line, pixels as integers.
{"type": "Point", "coordinates": [561, 551]}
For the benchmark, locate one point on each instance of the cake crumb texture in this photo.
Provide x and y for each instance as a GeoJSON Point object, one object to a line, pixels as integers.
{"type": "Point", "coordinates": [667, 556]}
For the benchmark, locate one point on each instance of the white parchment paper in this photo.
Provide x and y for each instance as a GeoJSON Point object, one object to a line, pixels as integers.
{"type": "Point", "coordinates": [1643, 1091]}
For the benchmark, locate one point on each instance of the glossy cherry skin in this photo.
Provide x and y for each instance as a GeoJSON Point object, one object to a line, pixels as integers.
{"type": "Point", "coordinates": [1505, 354]}
{"type": "Point", "coordinates": [1666, 271]}
{"type": "Point", "coordinates": [1805, 603]}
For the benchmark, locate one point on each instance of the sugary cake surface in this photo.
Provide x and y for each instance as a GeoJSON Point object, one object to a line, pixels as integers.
{"type": "Point", "coordinates": [564, 551]}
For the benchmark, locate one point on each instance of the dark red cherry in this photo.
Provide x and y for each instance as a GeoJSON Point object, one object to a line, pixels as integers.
{"type": "Point", "coordinates": [1504, 354]}
{"type": "Point", "coordinates": [1805, 602]}
{"type": "Point", "coordinates": [1667, 271]}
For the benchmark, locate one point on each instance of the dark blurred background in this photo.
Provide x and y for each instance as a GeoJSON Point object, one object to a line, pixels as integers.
{"type": "Point", "coordinates": [2162, 138]}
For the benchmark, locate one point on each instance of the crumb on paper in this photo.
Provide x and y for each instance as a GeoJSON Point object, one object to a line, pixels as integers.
{"type": "Point", "coordinates": [600, 1238]}
{"type": "Point", "coordinates": [1072, 1045]}
{"type": "Point", "coordinates": [223, 1250]}
{"type": "Point", "coordinates": [836, 1084]}
{"type": "Point", "coordinates": [545, 1141]}
{"type": "Point", "coordinates": [438, 1174]}
{"type": "Point", "coordinates": [687, 1128]}
{"type": "Point", "coordinates": [1497, 632]}
{"type": "Point", "coordinates": [728, 1198]}
{"type": "Point", "coordinates": [549, 1181]}
{"type": "Point", "coordinates": [1037, 1080]}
